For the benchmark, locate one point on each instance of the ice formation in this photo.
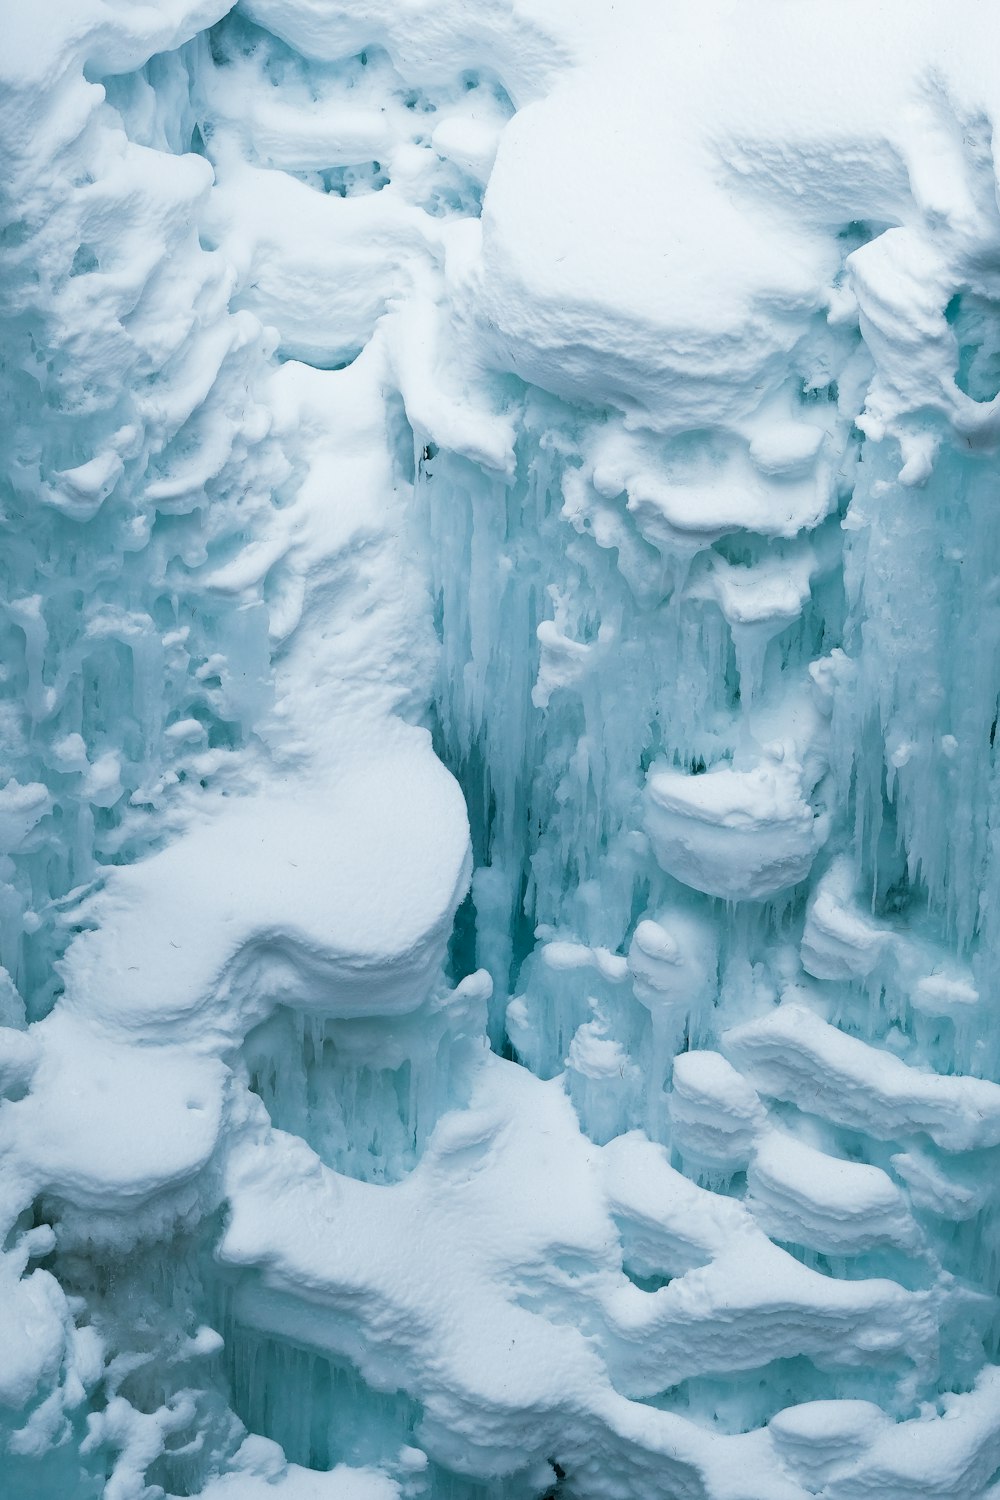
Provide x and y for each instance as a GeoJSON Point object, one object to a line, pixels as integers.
{"type": "Point", "coordinates": [499, 877]}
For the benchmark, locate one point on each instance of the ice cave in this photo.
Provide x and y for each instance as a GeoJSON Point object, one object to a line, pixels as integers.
{"type": "Point", "coordinates": [499, 793]}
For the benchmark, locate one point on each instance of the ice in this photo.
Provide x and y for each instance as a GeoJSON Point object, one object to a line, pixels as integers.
{"type": "Point", "coordinates": [499, 623]}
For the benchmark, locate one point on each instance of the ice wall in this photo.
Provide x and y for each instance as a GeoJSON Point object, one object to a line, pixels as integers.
{"type": "Point", "coordinates": [500, 678]}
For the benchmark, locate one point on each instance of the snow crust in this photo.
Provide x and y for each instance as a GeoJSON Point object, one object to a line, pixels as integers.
{"type": "Point", "coordinates": [498, 873]}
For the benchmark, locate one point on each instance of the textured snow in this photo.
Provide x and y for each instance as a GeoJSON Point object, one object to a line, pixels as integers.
{"type": "Point", "coordinates": [500, 629]}
{"type": "Point", "coordinates": [744, 835]}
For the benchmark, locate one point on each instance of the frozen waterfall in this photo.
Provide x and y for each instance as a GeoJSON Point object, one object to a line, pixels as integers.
{"type": "Point", "coordinates": [499, 803]}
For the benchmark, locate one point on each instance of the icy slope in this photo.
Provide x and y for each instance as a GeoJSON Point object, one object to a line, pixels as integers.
{"type": "Point", "coordinates": [500, 630]}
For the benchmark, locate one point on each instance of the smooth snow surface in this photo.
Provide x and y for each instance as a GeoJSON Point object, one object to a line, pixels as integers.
{"type": "Point", "coordinates": [499, 880]}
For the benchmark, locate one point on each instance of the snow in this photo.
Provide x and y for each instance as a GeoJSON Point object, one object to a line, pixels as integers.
{"type": "Point", "coordinates": [303, 883]}
{"type": "Point", "coordinates": [793, 1054]}
{"type": "Point", "coordinates": [744, 835]}
{"type": "Point", "coordinates": [261, 1473]}
{"type": "Point", "coordinates": [804, 1196]}
{"type": "Point", "coordinates": [715, 1115]}
{"type": "Point", "coordinates": [499, 628]}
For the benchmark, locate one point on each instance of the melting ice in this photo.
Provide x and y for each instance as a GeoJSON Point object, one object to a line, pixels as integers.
{"type": "Point", "coordinates": [498, 863]}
